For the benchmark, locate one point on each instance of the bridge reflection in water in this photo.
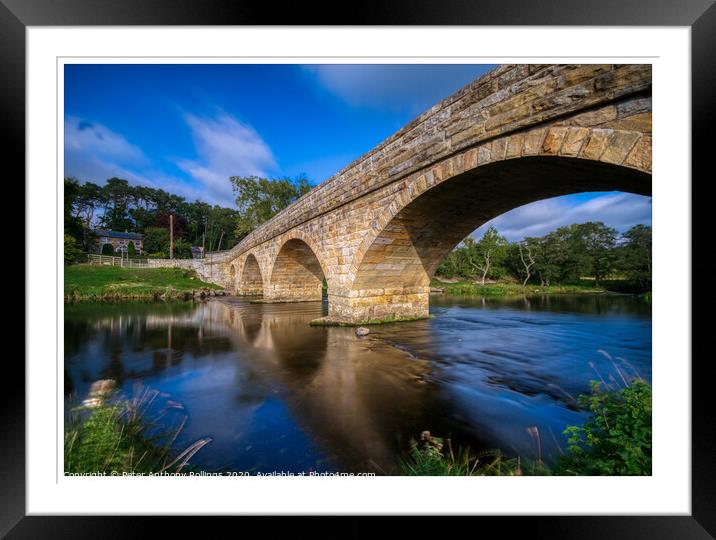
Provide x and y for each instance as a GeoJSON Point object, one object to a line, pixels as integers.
{"type": "Point", "coordinates": [276, 394]}
{"type": "Point", "coordinates": [259, 381]}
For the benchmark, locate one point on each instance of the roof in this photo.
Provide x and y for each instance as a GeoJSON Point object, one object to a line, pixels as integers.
{"type": "Point", "coordinates": [117, 234]}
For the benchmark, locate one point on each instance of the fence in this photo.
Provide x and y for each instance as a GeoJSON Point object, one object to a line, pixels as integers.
{"type": "Point", "coordinates": [109, 260]}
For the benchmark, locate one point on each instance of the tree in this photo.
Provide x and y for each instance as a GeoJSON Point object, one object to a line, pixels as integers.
{"type": "Point", "coordinates": [131, 250]}
{"type": "Point", "coordinates": [182, 249]}
{"type": "Point", "coordinates": [526, 258]}
{"type": "Point", "coordinates": [635, 255]}
{"type": "Point", "coordinates": [73, 225]}
{"type": "Point", "coordinates": [599, 242]}
{"type": "Point", "coordinates": [118, 195]}
{"type": "Point", "coordinates": [90, 197]}
{"type": "Point", "coordinates": [72, 250]}
{"type": "Point", "coordinates": [549, 258]}
{"type": "Point", "coordinates": [156, 239]}
{"type": "Point", "coordinates": [259, 199]}
{"type": "Point", "coordinates": [181, 226]}
{"type": "Point", "coordinates": [107, 249]}
{"type": "Point", "coordinates": [488, 253]}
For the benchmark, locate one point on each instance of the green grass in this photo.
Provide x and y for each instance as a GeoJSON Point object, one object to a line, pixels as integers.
{"type": "Point", "coordinates": [433, 456]}
{"type": "Point", "coordinates": [92, 283]}
{"type": "Point", "coordinates": [509, 288]}
{"type": "Point", "coordinates": [117, 436]}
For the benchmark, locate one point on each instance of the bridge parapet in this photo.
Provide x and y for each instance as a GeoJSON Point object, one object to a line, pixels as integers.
{"type": "Point", "coordinates": [508, 99]}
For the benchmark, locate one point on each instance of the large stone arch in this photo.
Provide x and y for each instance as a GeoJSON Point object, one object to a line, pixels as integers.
{"type": "Point", "coordinates": [432, 213]}
{"type": "Point", "coordinates": [297, 273]}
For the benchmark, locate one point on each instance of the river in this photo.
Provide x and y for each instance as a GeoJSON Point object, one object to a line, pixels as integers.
{"type": "Point", "coordinates": [276, 395]}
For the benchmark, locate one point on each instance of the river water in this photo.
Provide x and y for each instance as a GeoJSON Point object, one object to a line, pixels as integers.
{"type": "Point", "coordinates": [276, 395]}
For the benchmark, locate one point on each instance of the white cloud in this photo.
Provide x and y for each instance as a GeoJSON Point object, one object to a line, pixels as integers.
{"type": "Point", "coordinates": [225, 147]}
{"type": "Point", "coordinates": [618, 210]}
{"type": "Point", "coordinates": [90, 138]}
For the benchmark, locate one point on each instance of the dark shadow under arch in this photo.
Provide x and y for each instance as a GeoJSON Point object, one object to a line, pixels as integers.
{"type": "Point", "coordinates": [251, 281]}
{"type": "Point", "coordinates": [410, 247]}
{"type": "Point", "coordinates": [296, 273]}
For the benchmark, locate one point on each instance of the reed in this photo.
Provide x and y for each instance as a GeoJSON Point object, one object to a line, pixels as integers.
{"type": "Point", "coordinates": [109, 434]}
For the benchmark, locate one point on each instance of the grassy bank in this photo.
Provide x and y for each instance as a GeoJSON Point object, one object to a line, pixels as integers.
{"type": "Point", "coordinates": [109, 435]}
{"type": "Point", "coordinates": [87, 283]}
{"type": "Point", "coordinates": [615, 441]}
{"type": "Point", "coordinates": [509, 288]}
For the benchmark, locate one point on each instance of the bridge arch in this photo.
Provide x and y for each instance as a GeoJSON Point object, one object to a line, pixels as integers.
{"type": "Point", "coordinates": [297, 273]}
{"type": "Point", "coordinates": [251, 281]}
{"type": "Point", "coordinates": [432, 213]}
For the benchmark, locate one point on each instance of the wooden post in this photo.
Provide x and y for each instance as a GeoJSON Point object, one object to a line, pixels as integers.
{"type": "Point", "coordinates": [171, 236]}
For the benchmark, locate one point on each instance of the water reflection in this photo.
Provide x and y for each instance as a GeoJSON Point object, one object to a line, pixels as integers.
{"type": "Point", "coordinates": [276, 394]}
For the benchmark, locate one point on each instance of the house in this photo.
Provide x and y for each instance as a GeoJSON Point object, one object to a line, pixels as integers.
{"type": "Point", "coordinates": [119, 240]}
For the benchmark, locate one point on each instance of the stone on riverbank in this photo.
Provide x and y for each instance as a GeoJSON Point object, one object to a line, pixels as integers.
{"type": "Point", "coordinates": [362, 331]}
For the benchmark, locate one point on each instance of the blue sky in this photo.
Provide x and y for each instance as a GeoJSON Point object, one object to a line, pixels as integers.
{"type": "Point", "coordinates": [187, 128]}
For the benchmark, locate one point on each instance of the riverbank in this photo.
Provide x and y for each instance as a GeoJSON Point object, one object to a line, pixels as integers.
{"type": "Point", "coordinates": [111, 435]}
{"type": "Point", "coordinates": [89, 283]}
{"type": "Point", "coordinates": [614, 441]}
{"type": "Point", "coordinates": [510, 288]}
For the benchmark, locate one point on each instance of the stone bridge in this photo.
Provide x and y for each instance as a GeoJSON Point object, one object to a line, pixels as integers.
{"type": "Point", "coordinates": [377, 230]}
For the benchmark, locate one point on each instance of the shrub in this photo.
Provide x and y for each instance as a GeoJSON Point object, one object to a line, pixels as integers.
{"type": "Point", "coordinates": [433, 456]}
{"type": "Point", "coordinates": [616, 440]}
{"type": "Point", "coordinates": [73, 252]}
{"type": "Point", "coordinates": [131, 250]}
{"type": "Point", "coordinates": [158, 255]}
{"type": "Point", "coordinates": [182, 249]}
{"type": "Point", "coordinates": [107, 249]}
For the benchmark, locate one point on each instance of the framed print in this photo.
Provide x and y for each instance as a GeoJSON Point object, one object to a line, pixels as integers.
{"type": "Point", "coordinates": [284, 270]}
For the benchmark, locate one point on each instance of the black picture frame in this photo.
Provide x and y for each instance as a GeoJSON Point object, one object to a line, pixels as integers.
{"type": "Point", "coordinates": [700, 15]}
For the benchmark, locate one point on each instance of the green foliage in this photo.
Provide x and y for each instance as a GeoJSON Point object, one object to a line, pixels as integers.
{"type": "Point", "coordinates": [598, 242]}
{"type": "Point", "coordinates": [564, 256]}
{"type": "Point", "coordinates": [117, 198]}
{"type": "Point", "coordinates": [507, 288]}
{"type": "Point", "coordinates": [634, 256]}
{"type": "Point", "coordinates": [433, 456]}
{"type": "Point", "coordinates": [131, 250]}
{"type": "Point", "coordinates": [156, 239]}
{"type": "Point", "coordinates": [107, 249]}
{"type": "Point", "coordinates": [119, 206]}
{"type": "Point", "coordinates": [158, 255]}
{"type": "Point", "coordinates": [477, 258]}
{"type": "Point", "coordinates": [116, 436]}
{"type": "Point", "coordinates": [73, 252]}
{"type": "Point", "coordinates": [616, 440]}
{"type": "Point", "coordinates": [259, 199]}
{"type": "Point", "coordinates": [182, 249]}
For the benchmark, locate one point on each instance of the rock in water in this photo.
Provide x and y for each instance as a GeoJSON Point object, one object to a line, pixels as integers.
{"type": "Point", "coordinates": [98, 392]}
{"type": "Point", "coordinates": [362, 331]}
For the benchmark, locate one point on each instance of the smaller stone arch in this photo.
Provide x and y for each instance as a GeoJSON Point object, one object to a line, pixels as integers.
{"type": "Point", "coordinates": [251, 282]}
{"type": "Point", "coordinates": [297, 274]}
